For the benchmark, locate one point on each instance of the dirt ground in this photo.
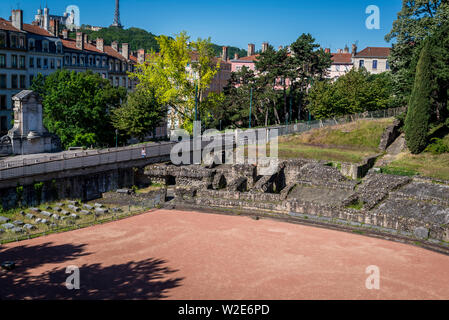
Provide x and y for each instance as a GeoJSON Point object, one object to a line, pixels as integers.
{"type": "Point", "coordinates": [187, 255]}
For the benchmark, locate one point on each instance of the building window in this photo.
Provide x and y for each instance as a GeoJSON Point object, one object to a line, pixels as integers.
{"type": "Point", "coordinates": [2, 40]}
{"type": "Point", "coordinates": [52, 63]}
{"type": "Point", "coordinates": [362, 63]}
{"type": "Point", "coordinates": [374, 64]}
{"type": "Point", "coordinates": [58, 64]}
{"type": "Point", "coordinates": [31, 62]}
{"type": "Point", "coordinates": [39, 63]}
{"type": "Point", "coordinates": [14, 82]}
{"type": "Point", "coordinates": [13, 41]}
{"type": "Point", "coordinates": [45, 63]}
{"type": "Point", "coordinates": [31, 45]}
{"type": "Point", "coordinates": [45, 46]}
{"type": "Point", "coordinates": [59, 47]}
{"type": "Point", "coordinates": [13, 61]}
{"type": "Point", "coordinates": [74, 60]}
{"type": "Point", "coordinates": [2, 60]}
{"type": "Point", "coordinates": [22, 84]}
{"type": "Point", "coordinates": [3, 81]}
{"type": "Point", "coordinates": [22, 62]}
{"type": "Point", "coordinates": [67, 60]}
{"type": "Point", "coordinates": [124, 82]}
{"type": "Point", "coordinates": [3, 124]}
{"type": "Point", "coordinates": [31, 79]}
{"type": "Point", "coordinates": [388, 66]}
{"type": "Point", "coordinates": [82, 61]}
{"type": "Point", "coordinates": [21, 42]}
{"type": "Point", "coordinates": [3, 105]}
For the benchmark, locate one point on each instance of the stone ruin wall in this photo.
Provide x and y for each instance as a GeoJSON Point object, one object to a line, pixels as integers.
{"type": "Point", "coordinates": [313, 190]}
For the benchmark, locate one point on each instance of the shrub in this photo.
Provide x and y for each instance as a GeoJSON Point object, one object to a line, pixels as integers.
{"type": "Point", "coordinates": [437, 146]}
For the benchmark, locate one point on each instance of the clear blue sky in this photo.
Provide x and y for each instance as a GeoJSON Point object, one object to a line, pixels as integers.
{"type": "Point", "coordinates": [334, 23]}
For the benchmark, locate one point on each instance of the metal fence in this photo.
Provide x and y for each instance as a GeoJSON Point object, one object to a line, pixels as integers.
{"type": "Point", "coordinates": [75, 160]}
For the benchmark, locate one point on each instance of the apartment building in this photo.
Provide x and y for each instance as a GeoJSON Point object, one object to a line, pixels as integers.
{"type": "Point", "coordinates": [373, 59]}
{"type": "Point", "coordinates": [13, 69]}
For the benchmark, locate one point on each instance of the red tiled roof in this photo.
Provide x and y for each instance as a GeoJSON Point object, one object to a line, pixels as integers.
{"type": "Point", "coordinates": [36, 30]}
{"type": "Point", "coordinates": [6, 25]}
{"type": "Point", "coordinates": [341, 58]}
{"type": "Point", "coordinates": [71, 44]}
{"type": "Point", "coordinates": [254, 57]}
{"type": "Point", "coordinates": [111, 52]}
{"type": "Point", "coordinates": [374, 52]}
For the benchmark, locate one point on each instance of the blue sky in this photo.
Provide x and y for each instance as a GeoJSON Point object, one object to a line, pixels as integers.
{"type": "Point", "coordinates": [333, 23]}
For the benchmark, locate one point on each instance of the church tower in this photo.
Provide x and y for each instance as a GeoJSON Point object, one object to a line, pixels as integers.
{"type": "Point", "coordinates": [117, 23]}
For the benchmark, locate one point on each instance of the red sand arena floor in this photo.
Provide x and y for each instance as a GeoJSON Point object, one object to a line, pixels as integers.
{"type": "Point", "coordinates": [187, 255]}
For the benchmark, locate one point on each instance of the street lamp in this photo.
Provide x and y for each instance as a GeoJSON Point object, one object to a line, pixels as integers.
{"type": "Point", "coordinates": [196, 101]}
{"type": "Point", "coordinates": [250, 106]}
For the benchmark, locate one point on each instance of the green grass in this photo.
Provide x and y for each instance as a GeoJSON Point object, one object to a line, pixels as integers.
{"type": "Point", "coordinates": [289, 151]}
{"type": "Point", "coordinates": [362, 134]}
{"type": "Point", "coordinates": [424, 164]}
{"type": "Point", "coordinates": [356, 206]}
{"type": "Point", "coordinates": [351, 142]}
{"type": "Point", "coordinates": [152, 187]}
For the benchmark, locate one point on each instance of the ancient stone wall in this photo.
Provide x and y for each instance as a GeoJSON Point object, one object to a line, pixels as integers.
{"type": "Point", "coordinates": [313, 190]}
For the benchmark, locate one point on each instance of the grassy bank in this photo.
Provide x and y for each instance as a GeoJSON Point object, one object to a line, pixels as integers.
{"type": "Point", "coordinates": [424, 164]}
{"type": "Point", "coordinates": [349, 142]}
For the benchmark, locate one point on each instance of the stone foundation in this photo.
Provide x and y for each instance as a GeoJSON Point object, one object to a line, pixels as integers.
{"type": "Point", "coordinates": [312, 190]}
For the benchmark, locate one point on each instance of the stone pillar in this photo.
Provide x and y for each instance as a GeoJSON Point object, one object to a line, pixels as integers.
{"type": "Point", "coordinates": [125, 50]}
{"type": "Point", "coordinates": [80, 40]}
{"type": "Point", "coordinates": [264, 46]}
{"type": "Point", "coordinates": [141, 56]}
{"type": "Point", "coordinates": [224, 55]}
{"type": "Point", "coordinates": [17, 19]}
{"type": "Point", "coordinates": [29, 136]}
{"type": "Point", "coordinates": [100, 44]}
{"type": "Point", "coordinates": [251, 49]}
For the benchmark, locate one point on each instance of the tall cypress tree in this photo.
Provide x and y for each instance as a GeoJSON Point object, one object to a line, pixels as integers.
{"type": "Point", "coordinates": [420, 105]}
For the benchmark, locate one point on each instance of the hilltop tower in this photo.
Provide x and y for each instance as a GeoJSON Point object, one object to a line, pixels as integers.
{"type": "Point", "coordinates": [117, 22]}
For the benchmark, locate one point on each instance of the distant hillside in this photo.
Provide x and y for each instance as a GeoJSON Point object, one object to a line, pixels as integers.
{"type": "Point", "coordinates": [142, 39]}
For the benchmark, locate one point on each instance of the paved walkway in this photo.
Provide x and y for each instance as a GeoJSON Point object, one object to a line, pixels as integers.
{"type": "Point", "coordinates": [187, 255]}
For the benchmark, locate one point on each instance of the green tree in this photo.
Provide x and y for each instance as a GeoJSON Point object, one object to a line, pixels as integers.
{"type": "Point", "coordinates": [308, 64]}
{"type": "Point", "coordinates": [418, 115]}
{"type": "Point", "coordinates": [415, 22]}
{"type": "Point", "coordinates": [77, 107]}
{"type": "Point", "coordinates": [355, 92]}
{"type": "Point", "coordinates": [174, 73]}
{"type": "Point", "coordinates": [140, 115]}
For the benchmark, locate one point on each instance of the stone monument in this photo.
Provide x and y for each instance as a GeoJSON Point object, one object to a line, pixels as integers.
{"type": "Point", "coordinates": [29, 136]}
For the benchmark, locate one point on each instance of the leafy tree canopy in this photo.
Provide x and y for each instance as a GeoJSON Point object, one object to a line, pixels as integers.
{"type": "Point", "coordinates": [77, 107]}
{"type": "Point", "coordinates": [417, 20]}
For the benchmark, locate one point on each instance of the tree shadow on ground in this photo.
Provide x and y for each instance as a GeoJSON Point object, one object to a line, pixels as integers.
{"type": "Point", "coordinates": [146, 279]}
